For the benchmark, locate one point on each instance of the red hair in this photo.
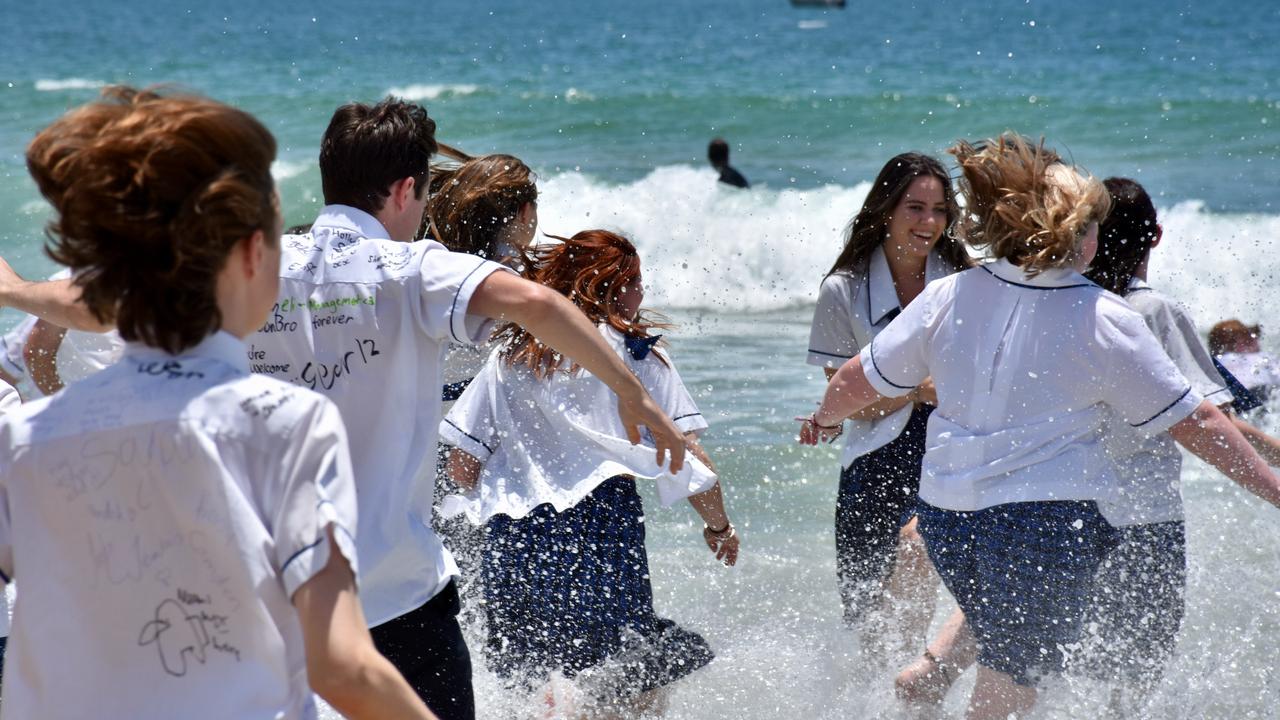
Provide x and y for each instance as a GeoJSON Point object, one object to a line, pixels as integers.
{"type": "Point", "coordinates": [591, 269]}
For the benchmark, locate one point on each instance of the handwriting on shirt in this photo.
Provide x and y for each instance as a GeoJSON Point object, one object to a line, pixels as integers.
{"type": "Point", "coordinates": [169, 370]}
{"type": "Point", "coordinates": [184, 629]}
{"type": "Point", "coordinates": [265, 403]}
{"type": "Point", "coordinates": [324, 375]}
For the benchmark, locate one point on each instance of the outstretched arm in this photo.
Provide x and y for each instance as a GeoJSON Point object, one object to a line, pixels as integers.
{"type": "Point", "coordinates": [57, 301]}
{"type": "Point", "coordinates": [41, 355]}
{"type": "Point", "coordinates": [848, 392]}
{"type": "Point", "coordinates": [1209, 434]}
{"type": "Point", "coordinates": [559, 324]}
{"type": "Point", "coordinates": [717, 531]}
{"type": "Point", "coordinates": [1267, 446]}
{"type": "Point", "coordinates": [343, 665]}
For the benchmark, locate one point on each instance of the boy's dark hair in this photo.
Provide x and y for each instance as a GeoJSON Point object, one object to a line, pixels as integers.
{"type": "Point", "coordinates": [1124, 237]}
{"type": "Point", "coordinates": [367, 148]}
{"type": "Point", "coordinates": [718, 152]}
{"type": "Point", "coordinates": [151, 193]}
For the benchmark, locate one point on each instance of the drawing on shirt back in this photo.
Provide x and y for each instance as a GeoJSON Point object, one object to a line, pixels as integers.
{"type": "Point", "coordinates": [184, 629]}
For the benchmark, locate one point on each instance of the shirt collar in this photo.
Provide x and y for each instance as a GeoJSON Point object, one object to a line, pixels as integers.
{"type": "Point", "coordinates": [345, 217]}
{"type": "Point", "coordinates": [1051, 279]}
{"type": "Point", "coordinates": [221, 346]}
{"type": "Point", "coordinates": [883, 298]}
{"type": "Point", "coordinates": [1137, 283]}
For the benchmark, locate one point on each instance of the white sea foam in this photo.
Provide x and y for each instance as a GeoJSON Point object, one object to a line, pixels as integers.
{"type": "Point", "coordinates": [811, 24]}
{"type": "Point", "coordinates": [576, 95]}
{"type": "Point", "coordinates": [418, 92]}
{"type": "Point", "coordinates": [283, 169]}
{"type": "Point", "coordinates": [47, 85]}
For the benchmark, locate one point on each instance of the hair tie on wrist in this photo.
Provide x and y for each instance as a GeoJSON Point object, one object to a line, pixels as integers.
{"type": "Point", "coordinates": [722, 530]}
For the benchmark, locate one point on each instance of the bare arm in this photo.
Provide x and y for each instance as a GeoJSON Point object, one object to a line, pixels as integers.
{"type": "Point", "coordinates": [1213, 438]}
{"type": "Point", "coordinates": [847, 393]}
{"type": "Point", "coordinates": [561, 326]}
{"type": "Point", "coordinates": [57, 301]}
{"type": "Point", "coordinates": [709, 504]}
{"type": "Point", "coordinates": [1267, 446]}
{"type": "Point", "coordinates": [886, 406]}
{"type": "Point", "coordinates": [41, 355]}
{"type": "Point", "coordinates": [463, 469]}
{"type": "Point", "coordinates": [343, 665]}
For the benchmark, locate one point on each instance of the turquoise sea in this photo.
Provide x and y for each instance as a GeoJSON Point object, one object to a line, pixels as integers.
{"type": "Point", "coordinates": [613, 104]}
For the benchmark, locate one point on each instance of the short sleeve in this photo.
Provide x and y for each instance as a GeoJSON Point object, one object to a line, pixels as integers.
{"type": "Point", "coordinates": [667, 389]}
{"type": "Point", "coordinates": [1172, 326]}
{"type": "Point", "coordinates": [9, 398]}
{"type": "Point", "coordinates": [1141, 383]}
{"type": "Point", "coordinates": [832, 339]}
{"type": "Point", "coordinates": [471, 424]}
{"type": "Point", "coordinates": [896, 361]}
{"type": "Point", "coordinates": [6, 543]}
{"type": "Point", "coordinates": [449, 280]}
{"type": "Point", "coordinates": [316, 490]}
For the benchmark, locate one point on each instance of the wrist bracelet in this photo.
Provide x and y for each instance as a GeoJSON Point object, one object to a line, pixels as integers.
{"type": "Point", "coordinates": [721, 531]}
{"type": "Point", "coordinates": [814, 419]}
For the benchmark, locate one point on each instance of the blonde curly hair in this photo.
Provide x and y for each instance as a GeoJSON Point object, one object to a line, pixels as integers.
{"type": "Point", "coordinates": [1024, 204]}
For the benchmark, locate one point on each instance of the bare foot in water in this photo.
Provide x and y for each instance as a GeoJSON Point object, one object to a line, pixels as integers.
{"type": "Point", "coordinates": [925, 681]}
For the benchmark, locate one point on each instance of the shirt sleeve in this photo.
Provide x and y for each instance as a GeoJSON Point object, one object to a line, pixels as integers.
{"type": "Point", "coordinates": [832, 340]}
{"type": "Point", "coordinates": [668, 390]}
{"type": "Point", "coordinates": [471, 424]}
{"type": "Point", "coordinates": [317, 490]}
{"type": "Point", "coordinates": [1177, 334]}
{"type": "Point", "coordinates": [1141, 383]}
{"type": "Point", "coordinates": [9, 398]}
{"type": "Point", "coordinates": [449, 280]}
{"type": "Point", "coordinates": [896, 360]}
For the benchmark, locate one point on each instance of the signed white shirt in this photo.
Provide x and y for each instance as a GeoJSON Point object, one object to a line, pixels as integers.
{"type": "Point", "coordinates": [554, 440]}
{"type": "Point", "coordinates": [1027, 370]}
{"type": "Point", "coordinates": [159, 515]}
{"type": "Point", "coordinates": [364, 320]}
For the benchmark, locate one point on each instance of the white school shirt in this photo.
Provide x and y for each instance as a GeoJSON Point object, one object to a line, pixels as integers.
{"type": "Point", "coordinates": [13, 358]}
{"type": "Point", "coordinates": [1150, 468]}
{"type": "Point", "coordinates": [555, 440]}
{"type": "Point", "coordinates": [8, 400]}
{"type": "Point", "coordinates": [853, 307]}
{"type": "Point", "coordinates": [364, 320]}
{"type": "Point", "coordinates": [159, 517]}
{"type": "Point", "coordinates": [1026, 369]}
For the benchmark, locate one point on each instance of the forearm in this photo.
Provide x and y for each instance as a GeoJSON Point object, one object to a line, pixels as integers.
{"type": "Point", "coordinates": [463, 469]}
{"type": "Point", "coordinates": [1213, 438]}
{"type": "Point", "coordinates": [57, 301]}
{"type": "Point", "coordinates": [878, 409]}
{"type": "Point", "coordinates": [1266, 446]}
{"type": "Point", "coordinates": [709, 504]}
{"type": "Point", "coordinates": [847, 393]}
{"type": "Point", "coordinates": [41, 356]}
{"type": "Point", "coordinates": [377, 690]}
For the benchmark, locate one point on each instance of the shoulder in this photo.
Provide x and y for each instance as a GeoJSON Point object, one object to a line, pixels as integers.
{"type": "Point", "coordinates": [843, 283]}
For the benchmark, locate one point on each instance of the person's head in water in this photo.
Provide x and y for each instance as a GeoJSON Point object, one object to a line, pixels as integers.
{"type": "Point", "coordinates": [718, 153]}
{"type": "Point", "coordinates": [909, 209]}
{"type": "Point", "coordinates": [1126, 237]}
{"type": "Point", "coordinates": [600, 272]}
{"type": "Point", "coordinates": [166, 213]}
{"type": "Point", "coordinates": [484, 205]}
{"type": "Point", "coordinates": [376, 158]}
{"type": "Point", "coordinates": [1026, 206]}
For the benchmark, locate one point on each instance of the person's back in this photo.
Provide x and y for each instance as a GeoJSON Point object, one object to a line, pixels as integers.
{"type": "Point", "coordinates": [134, 571]}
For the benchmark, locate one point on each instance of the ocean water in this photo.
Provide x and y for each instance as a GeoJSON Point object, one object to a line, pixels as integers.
{"type": "Point", "coordinates": [613, 105]}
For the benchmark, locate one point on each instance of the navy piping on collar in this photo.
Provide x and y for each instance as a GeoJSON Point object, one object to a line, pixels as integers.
{"type": "Point", "coordinates": [871, 350]}
{"type": "Point", "coordinates": [5, 577]}
{"type": "Point", "coordinates": [870, 310]}
{"type": "Point", "coordinates": [819, 352]}
{"type": "Point", "coordinates": [1036, 287]}
{"type": "Point", "coordinates": [1165, 410]}
{"type": "Point", "coordinates": [473, 437]}
{"type": "Point", "coordinates": [454, 308]}
{"type": "Point", "coordinates": [1138, 290]}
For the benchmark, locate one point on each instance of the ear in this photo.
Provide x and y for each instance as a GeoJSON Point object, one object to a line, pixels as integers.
{"type": "Point", "coordinates": [1159, 235]}
{"type": "Point", "coordinates": [402, 192]}
{"type": "Point", "coordinates": [527, 214]}
{"type": "Point", "coordinates": [255, 255]}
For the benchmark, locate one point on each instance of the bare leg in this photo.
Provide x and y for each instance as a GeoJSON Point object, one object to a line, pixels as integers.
{"type": "Point", "coordinates": [911, 592]}
{"type": "Point", "coordinates": [997, 697]}
{"type": "Point", "coordinates": [927, 680]}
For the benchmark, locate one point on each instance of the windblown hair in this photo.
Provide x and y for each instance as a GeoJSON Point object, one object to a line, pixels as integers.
{"type": "Point", "coordinates": [473, 203]}
{"type": "Point", "coordinates": [1125, 237]}
{"type": "Point", "coordinates": [367, 148]}
{"type": "Point", "coordinates": [1024, 204]}
{"type": "Point", "coordinates": [151, 193]}
{"type": "Point", "coordinates": [590, 268]}
{"type": "Point", "coordinates": [869, 227]}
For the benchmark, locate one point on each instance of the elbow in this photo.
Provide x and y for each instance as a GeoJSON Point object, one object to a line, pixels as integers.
{"type": "Point", "coordinates": [344, 681]}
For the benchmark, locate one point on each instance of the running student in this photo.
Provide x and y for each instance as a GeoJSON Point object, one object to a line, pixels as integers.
{"type": "Point", "coordinates": [1029, 359]}
{"type": "Point", "coordinates": [181, 528]}
{"type": "Point", "coordinates": [895, 245]}
{"type": "Point", "coordinates": [1138, 603]}
{"type": "Point", "coordinates": [549, 469]}
{"type": "Point", "coordinates": [362, 317]}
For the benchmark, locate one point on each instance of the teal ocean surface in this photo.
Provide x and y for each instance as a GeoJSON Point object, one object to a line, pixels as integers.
{"type": "Point", "coordinates": [613, 104]}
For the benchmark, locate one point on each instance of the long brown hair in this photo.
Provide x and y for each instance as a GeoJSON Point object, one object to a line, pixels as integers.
{"type": "Point", "coordinates": [1025, 204]}
{"type": "Point", "coordinates": [869, 227]}
{"type": "Point", "coordinates": [591, 269]}
{"type": "Point", "coordinates": [1125, 237]}
{"type": "Point", "coordinates": [152, 192]}
{"type": "Point", "coordinates": [473, 203]}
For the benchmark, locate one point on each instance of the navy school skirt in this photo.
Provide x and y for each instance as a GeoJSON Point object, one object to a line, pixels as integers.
{"type": "Point", "coordinates": [570, 592]}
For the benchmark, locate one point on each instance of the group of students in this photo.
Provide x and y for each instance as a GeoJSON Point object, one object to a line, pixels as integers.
{"type": "Point", "coordinates": [242, 509]}
{"type": "Point", "coordinates": [1018, 420]}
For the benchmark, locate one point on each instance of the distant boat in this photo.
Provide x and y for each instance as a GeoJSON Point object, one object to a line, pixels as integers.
{"type": "Point", "coordinates": [818, 3]}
